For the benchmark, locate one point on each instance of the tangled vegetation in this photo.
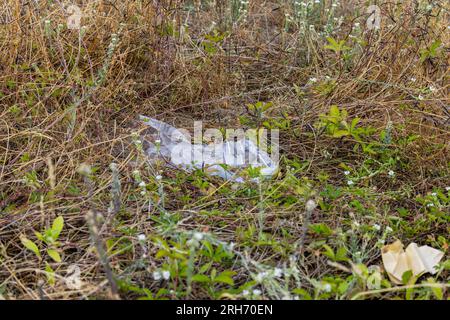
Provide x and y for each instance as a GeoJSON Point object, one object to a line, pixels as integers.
{"type": "Point", "coordinates": [363, 117]}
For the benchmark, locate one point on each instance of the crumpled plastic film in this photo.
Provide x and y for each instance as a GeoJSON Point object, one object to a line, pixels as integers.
{"type": "Point", "coordinates": [417, 259]}
{"type": "Point", "coordinates": [180, 152]}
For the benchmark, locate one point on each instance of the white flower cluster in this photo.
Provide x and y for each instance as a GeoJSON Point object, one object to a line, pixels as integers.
{"type": "Point", "coordinates": [196, 238]}
{"type": "Point", "coordinates": [158, 275]}
{"type": "Point", "coordinates": [275, 273]}
{"type": "Point", "coordinates": [255, 292]}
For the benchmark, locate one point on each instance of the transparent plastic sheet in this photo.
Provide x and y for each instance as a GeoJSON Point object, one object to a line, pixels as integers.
{"type": "Point", "coordinates": [220, 159]}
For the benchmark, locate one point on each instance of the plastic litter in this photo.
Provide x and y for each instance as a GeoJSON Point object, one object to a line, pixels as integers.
{"type": "Point", "coordinates": [417, 259]}
{"type": "Point", "coordinates": [216, 159]}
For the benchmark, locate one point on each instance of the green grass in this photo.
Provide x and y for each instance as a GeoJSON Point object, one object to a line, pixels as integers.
{"type": "Point", "coordinates": [363, 123]}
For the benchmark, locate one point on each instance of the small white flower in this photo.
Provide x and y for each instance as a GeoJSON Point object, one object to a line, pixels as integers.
{"type": "Point", "coordinates": [357, 24]}
{"type": "Point", "coordinates": [434, 194]}
{"type": "Point", "coordinates": [156, 275]}
{"type": "Point", "coordinates": [313, 80]}
{"type": "Point", "coordinates": [141, 237]}
{"type": "Point", "coordinates": [327, 287]}
{"type": "Point", "coordinates": [346, 172]}
{"type": "Point", "coordinates": [350, 182]}
{"type": "Point", "coordinates": [413, 79]}
{"type": "Point", "coordinates": [391, 173]}
{"type": "Point", "coordinates": [245, 292]}
{"type": "Point", "coordinates": [420, 97]}
{"type": "Point", "coordinates": [447, 188]}
{"type": "Point", "coordinates": [430, 205]}
{"type": "Point", "coordinates": [376, 227]}
{"type": "Point", "coordinates": [388, 230]}
{"type": "Point", "coordinates": [142, 184]}
{"type": "Point", "coordinates": [432, 89]}
{"type": "Point", "coordinates": [166, 275]}
{"type": "Point", "coordinates": [257, 292]}
{"type": "Point", "coordinates": [158, 177]}
{"type": "Point", "coordinates": [158, 141]}
{"type": "Point", "coordinates": [310, 205]}
{"type": "Point", "coordinates": [138, 142]}
{"type": "Point", "coordinates": [254, 180]}
{"type": "Point", "coordinates": [356, 224]}
{"type": "Point", "coordinates": [198, 236]}
{"type": "Point", "coordinates": [277, 272]}
{"type": "Point", "coordinates": [260, 276]}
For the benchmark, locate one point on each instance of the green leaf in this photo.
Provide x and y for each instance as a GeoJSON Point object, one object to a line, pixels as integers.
{"type": "Point", "coordinates": [206, 267]}
{"type": "Point", "coordinates": [50, 274]}
{"type": "Point", "coordinates": [340, 133]}
{"type": "Point", "coordinates": [409, 279]}
{"type": "Point", "coordinates": [406, 276]}
{"type": "Point", "coordinates": [341, 254]}
{"type": "Point", "coordinates": [321, 229]}
{"type": "Point", "coordinates": [267, 106]}
{"type": "Point", "coordinates": [225, 277]}
{"type": "Point", "coordinates": [334, 111]}
{"type": "Point", "coordinates": [435, 45]}
{"type": "Point", "coordinates": [437, 291]}
{"type": "Point", "coordinates": [302, 293]}
{"type": "Point", "coordinates": [30, 245]}
{"type": "Point", "coordinates": [73, 190]}
{"type": "Point", "coordinates": [39, 236]}
{"type": "Point", "coordinates": [201, 278]}
{"type": "Point", "coordinates": [57, 227]}
{"type": "Point", "coordinates": [333, 45]}
{"type": "Point", "coordinates": [329, 252]}
{"type": "Point", "coordinates": [54, 255]}
{"type": "Point", "coordinates": [343, 286]}
{"type": "Point", "coordinates": [355, 121]}
{"type": "Point", "coordinates": [374, 281]}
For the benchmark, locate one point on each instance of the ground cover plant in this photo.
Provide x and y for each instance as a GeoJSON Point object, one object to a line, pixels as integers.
{"type": "Point", "coordinates": [363, 116]}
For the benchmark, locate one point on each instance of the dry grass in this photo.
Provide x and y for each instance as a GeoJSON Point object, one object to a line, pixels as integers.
{"type": "Point", "coordinates": [54, 117]}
